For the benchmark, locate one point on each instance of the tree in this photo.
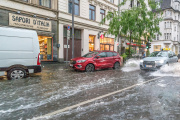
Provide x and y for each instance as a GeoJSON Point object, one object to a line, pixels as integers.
{"type": "Point", "coordinates": [137, 23]}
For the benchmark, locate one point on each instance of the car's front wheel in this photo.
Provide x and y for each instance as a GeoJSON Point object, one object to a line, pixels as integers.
{"type": "Point", "coordinates": [16, 73]}
{"type": "Point", "coordinates": [90, 68]}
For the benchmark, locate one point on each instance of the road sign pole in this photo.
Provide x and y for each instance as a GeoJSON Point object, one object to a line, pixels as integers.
{"type": "Point", "coordinates": [68, 37]}
{"type": "Point", "coordinates": [72, 28]}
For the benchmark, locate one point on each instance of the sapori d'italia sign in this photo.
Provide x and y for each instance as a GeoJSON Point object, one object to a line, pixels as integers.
{"type": "Point", "coordinates": [29, 22]}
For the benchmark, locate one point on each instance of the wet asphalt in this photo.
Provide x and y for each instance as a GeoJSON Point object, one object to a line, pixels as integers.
{"type": "Point", "coordinates": [58, 87]}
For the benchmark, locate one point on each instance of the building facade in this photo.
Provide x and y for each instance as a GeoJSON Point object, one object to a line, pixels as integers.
{"type": "Point", "coordinates": [169, 27]}
{"type": "Point", "coordinates": [88, 15]}
{"type": "Point", "coordinates": [39, 15]}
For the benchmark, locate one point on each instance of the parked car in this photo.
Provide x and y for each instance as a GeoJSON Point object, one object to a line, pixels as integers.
{"type": "Point", "coordinates": [19, 52]}
{"type": "Point", "coordinates": [96, 60]}
{"type": "Point", "coordinates": [162, 58]}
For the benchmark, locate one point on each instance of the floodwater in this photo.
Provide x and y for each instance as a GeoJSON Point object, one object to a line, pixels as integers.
{"type": "Point", "coordinates": [58, 87]}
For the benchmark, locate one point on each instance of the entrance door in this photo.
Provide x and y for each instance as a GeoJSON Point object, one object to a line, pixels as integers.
{"type": "Point", "coordinates": [77, 48]}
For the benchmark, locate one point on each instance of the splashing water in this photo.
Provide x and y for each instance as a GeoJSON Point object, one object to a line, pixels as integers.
{"type": "Point", "coordinates": [131, 65]}
{"type": "Point", "coordinates": [171, 70]}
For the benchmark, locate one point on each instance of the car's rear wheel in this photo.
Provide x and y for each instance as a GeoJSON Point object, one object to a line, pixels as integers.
{"type": "Point", "coordinates": [90, 68]}
{"type": "Point", "coordinates": [16, 73]}
{"type": "Point", "coordinates": [116, 65]}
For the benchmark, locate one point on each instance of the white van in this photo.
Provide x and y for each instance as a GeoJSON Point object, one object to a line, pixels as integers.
{"type": "Point", "coordinates": [19, 52]}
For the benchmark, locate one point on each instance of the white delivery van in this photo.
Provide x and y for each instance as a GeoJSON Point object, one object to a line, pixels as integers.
{"type": "Point", "coordinates": [19, 52]}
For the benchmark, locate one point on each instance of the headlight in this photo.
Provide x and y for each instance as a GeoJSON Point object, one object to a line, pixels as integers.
{"type": "Point", "coordinates": [141, 61]}
{"type": "Point", "coordinates": [81, 61]}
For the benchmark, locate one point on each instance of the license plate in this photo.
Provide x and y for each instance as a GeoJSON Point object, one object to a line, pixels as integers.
{"type": "Point", "coordinates": [148, 66]}
{"type": "Point", "coordinates": [71, 65]}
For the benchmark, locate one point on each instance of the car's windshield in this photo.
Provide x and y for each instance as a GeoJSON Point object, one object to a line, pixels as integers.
{"type": "Point", "coordinates": [90, 54]}
{"type": "Point", "coordinates": [153, 54]}
{"type": "Point", "coordinates": [162, 54]}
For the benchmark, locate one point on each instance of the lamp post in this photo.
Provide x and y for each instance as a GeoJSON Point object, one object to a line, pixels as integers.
{"type": "Point", "coordinates": [119, 40]}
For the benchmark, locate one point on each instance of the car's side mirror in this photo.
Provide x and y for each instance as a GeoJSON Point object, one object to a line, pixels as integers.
{"type": "Point", "coordinates": [97, 57]}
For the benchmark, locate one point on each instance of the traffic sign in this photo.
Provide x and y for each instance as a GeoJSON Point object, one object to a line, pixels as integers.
{"type": "Point", "coordinates": [102, 36]}
{"type": "Point", "coordinates": [68, 28]}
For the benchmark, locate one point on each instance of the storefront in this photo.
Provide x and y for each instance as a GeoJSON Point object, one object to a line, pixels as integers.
{"type": "Point", "coordinates": [47, 35]}
{"type": "Point", "coordinates": [91, 42]}
{"type": "Point", "coordinates": [107, 44]}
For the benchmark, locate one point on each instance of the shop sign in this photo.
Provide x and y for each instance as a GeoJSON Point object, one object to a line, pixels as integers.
{"type": "Point", "coordinates": [29, 22]}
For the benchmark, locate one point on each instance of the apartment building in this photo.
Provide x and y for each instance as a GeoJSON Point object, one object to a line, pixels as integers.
{"type": "Point", "coordinates": [169, 27]}
{"type": "Point", "coordinates": [39, 15]}
{"type": "Point", "coordinates": [88, 15]}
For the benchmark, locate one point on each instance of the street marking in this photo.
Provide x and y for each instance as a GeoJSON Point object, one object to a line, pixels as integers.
{"type": "Point", "coordinates": [91, 100]}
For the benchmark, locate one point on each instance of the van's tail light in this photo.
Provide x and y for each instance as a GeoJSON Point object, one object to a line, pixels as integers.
{"type": "Point", "coordinates": [39, 59]}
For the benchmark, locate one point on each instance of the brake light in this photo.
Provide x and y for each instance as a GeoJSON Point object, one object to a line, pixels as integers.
{"type": "Point", "coordinates": [39, 59]}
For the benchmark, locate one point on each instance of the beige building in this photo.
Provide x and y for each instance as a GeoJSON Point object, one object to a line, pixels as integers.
{"type": "Point", "coordinates": [39, 15]}
{"type": "Point", "coordinates": [88, 15]}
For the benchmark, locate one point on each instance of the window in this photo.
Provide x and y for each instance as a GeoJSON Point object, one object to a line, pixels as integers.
{"type": "Point", "coordinates": [92, 12]}
{"type": "Point", "coordinates": [132, 3]}
{"type": "Point", "coordinates": [157, 37]}
{"type": "Point", "coordinates": [168, 13]}
{"type": "Point", "coordinates": [91, 42]}
{"type": "Point", "coordinates": [114, 54]}
{"type": "Point", "coordinates": [45, 44]}
{"type": "Point", "coordinates": [112, 1]}
{"type": "Point", "coordinates": [109, 54]}
{"type": "Point", "coordinates": [77, 33]}
{"type": "Point", "coordinates": [46, 3]}
{"type": "Point", "coordinates": [167, 36]}
{"type": "Point", "coordinates": [102, 55]}
{"type": "Point", "coordinates": [175, 28]}
{"type": "Point", "coordinates": [138, 4]}
{"type": "Point", "coordinates": [102, 12]}
{"type": "Point", "coordinates": [167, 24]}
{"type": "Point", "coordinates": [76, 7]}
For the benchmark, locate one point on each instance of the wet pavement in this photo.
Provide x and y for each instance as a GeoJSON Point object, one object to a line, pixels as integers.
{"type": "Point", "coordinates": [57, 88]}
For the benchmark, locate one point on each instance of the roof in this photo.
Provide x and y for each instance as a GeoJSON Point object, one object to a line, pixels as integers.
{"type": "Point", "coordinates": [166, 4]}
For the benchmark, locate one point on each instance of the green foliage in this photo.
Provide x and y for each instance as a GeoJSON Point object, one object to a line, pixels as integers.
{"type": "Point", "coordinates": [129, 54]}
{"type": "Point", "coordinates": [136, 23]}
{"type": "Point", "coordinates": [124, 56]}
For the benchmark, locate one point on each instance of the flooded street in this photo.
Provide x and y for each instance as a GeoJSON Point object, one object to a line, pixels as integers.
{"type": "Point", "coordinates": [130, 94]}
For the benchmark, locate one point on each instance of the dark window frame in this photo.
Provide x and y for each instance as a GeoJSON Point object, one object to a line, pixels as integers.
{"type": "Point", "coordinates": [102, 14]}
{"type": "Point", "coordinates": [94, 12]}
{"type": "Point", "coordinates": [40, 3]}
{"type": "Point", "coordinates": [70, 1]}
{"type": "Point", "coordinates": [112, 1]}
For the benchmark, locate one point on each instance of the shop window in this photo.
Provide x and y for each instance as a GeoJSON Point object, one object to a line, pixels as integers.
{"type": "Point", "coordinates": [107, 44]}
{"type": "Point", "coordinates": [45, 44]}
{"type": "Point", "coordinates": [157, 48]}
{"type": "Point", "coordinates": [46, 3]}
{"type": "Point", "coordinates": [91, 42]}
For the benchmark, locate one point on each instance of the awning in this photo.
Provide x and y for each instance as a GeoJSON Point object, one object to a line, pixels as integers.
{"type": "Point", "coordinates": [132, 44]}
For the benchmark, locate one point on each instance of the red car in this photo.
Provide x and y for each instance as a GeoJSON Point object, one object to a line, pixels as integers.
{"type": "Point", "coordinates": [96, 60]}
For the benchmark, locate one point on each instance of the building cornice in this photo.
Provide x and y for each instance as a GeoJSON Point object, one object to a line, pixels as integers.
{"type": "Point", "coordinates": [102, 5]}
{"type": "Point", "coordinates": [82, 24]}
{"type": "Point", "coordinates": [28, 13]}
{"type": "Point", "coordinates": [81, 17]}
{"type": "Point", "coordinates": [31, 4]}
